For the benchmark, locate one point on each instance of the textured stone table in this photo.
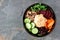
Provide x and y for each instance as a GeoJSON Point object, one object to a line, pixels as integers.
{"type": "Point", "coordinates": [11, 14]}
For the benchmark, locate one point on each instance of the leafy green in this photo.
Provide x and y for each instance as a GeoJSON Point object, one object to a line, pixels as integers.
{"type": "Point", "coordinates": [38, 7]}
{"type": "Point", "coordinates": [43, 7]}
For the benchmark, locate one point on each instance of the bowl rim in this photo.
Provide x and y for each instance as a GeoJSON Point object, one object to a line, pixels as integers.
{"type": "Point", "coordinates": [54, 15]}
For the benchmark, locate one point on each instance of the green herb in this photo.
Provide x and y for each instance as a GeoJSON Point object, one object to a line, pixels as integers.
{"type": "Point", "coordinates": [43, 7]}
{"type": "Point", "coordinates": [38, 7]}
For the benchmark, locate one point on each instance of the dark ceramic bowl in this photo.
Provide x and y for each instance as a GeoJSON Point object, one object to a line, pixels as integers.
{"type": "Point", "coordinates": [51, 10]}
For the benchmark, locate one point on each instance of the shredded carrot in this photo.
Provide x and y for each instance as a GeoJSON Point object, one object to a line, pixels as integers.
{"type": "Point", "coordinates": [49, 23]}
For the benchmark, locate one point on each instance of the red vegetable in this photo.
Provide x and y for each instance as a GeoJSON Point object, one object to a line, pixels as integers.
{"type": "Point", "coordinates": [46, 13]}
{"type": "Point", "coordinates": [42, 30]}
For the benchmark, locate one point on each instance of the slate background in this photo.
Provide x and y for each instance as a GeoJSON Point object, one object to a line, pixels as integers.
{"type": "Point", "coordinates": [11, 26]}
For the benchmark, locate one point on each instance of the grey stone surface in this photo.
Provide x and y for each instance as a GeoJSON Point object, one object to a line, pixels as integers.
{"type": "Point", "coordinates": [11, 24]}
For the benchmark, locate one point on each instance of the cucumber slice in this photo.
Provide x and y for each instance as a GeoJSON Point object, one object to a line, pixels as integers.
{"type": "Point", "coordinates": [30, 30]}
{"type": "Point", "coordinates": [27, 20]}
{"type": "Point", "coordinates": [32, 25]}
{"type": "Point", "coordinates": [34, 30]}
{"type": "Point", "coordinates": [28, 25]}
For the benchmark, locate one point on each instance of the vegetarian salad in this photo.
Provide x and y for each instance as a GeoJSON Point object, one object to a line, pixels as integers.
{"type": "Point", "coordinates": [39, 19]}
